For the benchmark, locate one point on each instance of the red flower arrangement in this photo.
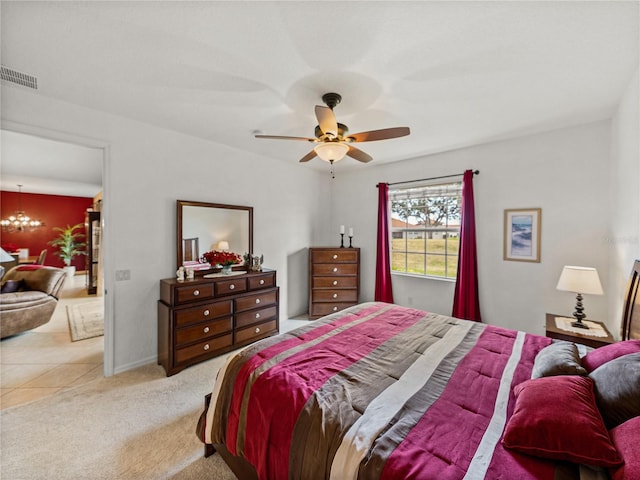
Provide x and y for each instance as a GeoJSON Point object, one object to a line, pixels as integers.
{"type": "Point", "coordinates": [225, 259]}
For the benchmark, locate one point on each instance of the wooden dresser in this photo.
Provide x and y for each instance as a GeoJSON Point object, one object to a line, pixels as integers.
{"type": "Point", "coordinates": [334, 279]}
{"type": "Point", "coordinates": [202, 318]}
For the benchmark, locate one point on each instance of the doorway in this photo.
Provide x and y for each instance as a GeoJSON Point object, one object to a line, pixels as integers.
{"type": "Point", "coordinates": [66, 363]}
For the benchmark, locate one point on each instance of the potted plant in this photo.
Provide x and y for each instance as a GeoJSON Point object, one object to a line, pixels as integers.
{"type": "Point", "coordinates": [69, 246]}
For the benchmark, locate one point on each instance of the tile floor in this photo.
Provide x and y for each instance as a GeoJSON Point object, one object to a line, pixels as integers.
{"type": "Point", "coordinates": [43, 361]}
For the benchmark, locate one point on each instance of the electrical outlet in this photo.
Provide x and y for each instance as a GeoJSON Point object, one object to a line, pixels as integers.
{"type": "Point", "coordinates": [122, 275]}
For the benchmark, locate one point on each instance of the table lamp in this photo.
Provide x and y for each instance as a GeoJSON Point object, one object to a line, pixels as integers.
{"type": "Point", "coordinates": [580, 280]}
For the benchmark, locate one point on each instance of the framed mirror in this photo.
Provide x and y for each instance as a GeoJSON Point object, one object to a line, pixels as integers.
{"type": "Point", "coordinates": [202, 227]}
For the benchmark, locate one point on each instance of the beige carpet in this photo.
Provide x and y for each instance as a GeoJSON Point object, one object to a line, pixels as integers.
{"type": "Point", "coordinates": [86, 320]}
{"type": "Point", "coordinates": [136, 425]}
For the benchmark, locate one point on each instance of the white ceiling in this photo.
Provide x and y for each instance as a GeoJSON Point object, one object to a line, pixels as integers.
{"type": "Point", "coordinates": [457, 73]}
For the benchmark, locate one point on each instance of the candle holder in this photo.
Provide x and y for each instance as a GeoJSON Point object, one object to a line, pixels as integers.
{"type": "Point", "coordinates": [342, 240]}
{"type": "Point", "coordinates": [350, 238]}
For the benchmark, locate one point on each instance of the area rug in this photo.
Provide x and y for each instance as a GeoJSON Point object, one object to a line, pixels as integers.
{"type": "Point", "coordinates": [86, 320]}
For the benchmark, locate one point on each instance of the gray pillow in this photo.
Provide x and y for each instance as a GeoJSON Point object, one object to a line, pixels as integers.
{"type": "Point", "coordinates": [559, 358]}
{"type": "Point", "coordinates": [617, 388]}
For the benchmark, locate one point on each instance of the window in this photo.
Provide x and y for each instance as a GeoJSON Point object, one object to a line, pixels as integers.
{"type": "Point", "coordinates": [425, 229]}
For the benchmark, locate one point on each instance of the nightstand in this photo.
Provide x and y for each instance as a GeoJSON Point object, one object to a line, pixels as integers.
{"type": "Point", "coordinates": [552, 331]}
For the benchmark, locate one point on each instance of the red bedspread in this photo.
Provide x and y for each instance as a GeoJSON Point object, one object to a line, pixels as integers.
{"type": "Point", "coordinates": [377, 392]}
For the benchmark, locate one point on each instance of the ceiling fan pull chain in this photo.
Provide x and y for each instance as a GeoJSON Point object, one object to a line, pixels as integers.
{"type": "Point", "coordinates": [331, 171]}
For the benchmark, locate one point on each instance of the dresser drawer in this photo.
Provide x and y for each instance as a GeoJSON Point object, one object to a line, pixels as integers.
{"type": "Point", "coordinates": [322, 309]}
{"type": "Point", "coordinates": [258, 300]}
{"type": "Point", "coordinates": [207, 346]}
{"type": "Point", "coordinates": [203, 331]}
{"type": "Point", "coordinates": [335, 295]}
{"type": "Point", "coordinates": [335, 269]}
{"type": "Point", "coordinates": [228, 287]}
{"type": "Point", "coordinates": [256, 331]}
{"type": "Point", "coordinates": [334, 256]}
{"type": "Point", "coordinates": [201, 313]}
{"type": "Point", "coordinates": [254, 316]}
{"type": "Point", "coordinates": [335, 282]}
{"type": "Point", "coordinates": [265, 280]}
{"type": "Point", "coordinates": [194, 292]}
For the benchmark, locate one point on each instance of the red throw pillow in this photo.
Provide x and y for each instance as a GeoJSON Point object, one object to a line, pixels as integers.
{"type": "Point", "coordinates": [29, 267]}
{"type": "Point", "coordinates": [600, 356]}
{"type": "Point", "coordinates": [557, 418]}
{"type": "Point", "coordinates": [626, 438]}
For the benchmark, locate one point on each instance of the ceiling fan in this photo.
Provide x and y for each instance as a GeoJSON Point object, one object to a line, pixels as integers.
{"type": "Point", "coordinates": [333, 139]}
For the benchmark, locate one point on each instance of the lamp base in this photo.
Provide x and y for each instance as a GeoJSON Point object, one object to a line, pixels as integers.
{"type": "Point", "coordinates": [580, 325]}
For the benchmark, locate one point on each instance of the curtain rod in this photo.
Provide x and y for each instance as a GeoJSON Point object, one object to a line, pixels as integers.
{"type": "Point", "coordinates": [475, 172]}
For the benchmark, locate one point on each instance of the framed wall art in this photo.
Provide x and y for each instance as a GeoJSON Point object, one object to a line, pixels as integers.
{"type": "Point", "coordinates": [522, 234]}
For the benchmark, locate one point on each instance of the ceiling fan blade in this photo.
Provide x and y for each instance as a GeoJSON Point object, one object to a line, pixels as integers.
{"type": "Point", "coordinates": [327, 121]}
{"type": "Point", "coordinates": [308, 156]}
{"type": "Point", "coordinates": [281, 137]}
{"type": "Point", "coordinates": [359, 155]}
{"type": "Point", "coordinates": [383, 134]}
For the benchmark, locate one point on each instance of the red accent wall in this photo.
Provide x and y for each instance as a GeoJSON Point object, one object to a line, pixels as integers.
{"type": "Point", "coordinates": [54, 211]}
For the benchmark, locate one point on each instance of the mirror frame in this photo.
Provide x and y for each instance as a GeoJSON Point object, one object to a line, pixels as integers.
{"type": "Point", "coordinates": [189, 203]}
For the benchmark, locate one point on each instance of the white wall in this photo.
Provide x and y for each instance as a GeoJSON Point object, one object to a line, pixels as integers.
{"type": "Point", "coordinates": [147, 170]}
{"type": "Point", "coordinates": [625, 196]}
{"type": "Point", "coordinates": [563, 172]}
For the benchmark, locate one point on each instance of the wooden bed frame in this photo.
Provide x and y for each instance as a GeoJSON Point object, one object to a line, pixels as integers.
{"type": "Point", "coordinates": [630, 329]}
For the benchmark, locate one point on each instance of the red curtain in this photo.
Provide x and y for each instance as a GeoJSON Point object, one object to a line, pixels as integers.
{"type": "Point", "coordinates": [384, 291]}
{"type": "Point", "coordinates": [466, 303]}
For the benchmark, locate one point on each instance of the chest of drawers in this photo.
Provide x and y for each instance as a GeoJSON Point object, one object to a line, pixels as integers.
{"type": "Point", "coordinates": [202, 318]}
{"type": "Point", "coordinates": [334, 279]}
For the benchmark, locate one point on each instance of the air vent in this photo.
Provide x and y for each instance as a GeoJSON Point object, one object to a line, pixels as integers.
{"type": "Point", "coordinates": [18, 78]}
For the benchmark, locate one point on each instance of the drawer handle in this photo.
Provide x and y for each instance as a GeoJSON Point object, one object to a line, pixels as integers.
{"type": "Point", "coordinates": [206, 346]}
{"type": "Point", "coordinates": [257, 300]}
{"type": "Point", "coordinates": [335, 295]}
{"type": "Point", "coordinates": [261, 282]}
{"type": "Point", "coordinates": [232, 286]}
{"type": "Point", "coordinates": [206, 313]}
{"type": "Point", "coordinates": [257, 330]}
{"type": "Point", "coordinates": [206, 329]}
{"type": "Point", "coordinates": [335, 309]}
{"type": "Point", "coordinates": [257, 315]}
{"type": "Point", "coordinates": [196, 293]}
{"type": "Point", "coordinates": [335, 257]}
{"type": "Point", "coordinates": [335, 282]}
{"type": "Point", "coordinates": [335, 269]}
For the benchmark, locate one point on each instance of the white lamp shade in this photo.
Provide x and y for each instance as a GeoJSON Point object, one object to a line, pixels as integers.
{"type": "Point", "coordinates": [583, 280]}
{"type": "Point", "coordinates": [331, 151]}
{"type": "Point", "coordinates": [223, 245]}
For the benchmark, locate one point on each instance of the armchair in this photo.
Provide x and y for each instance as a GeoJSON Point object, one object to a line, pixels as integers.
{"type": "Point", "coordinates": [29, 297]}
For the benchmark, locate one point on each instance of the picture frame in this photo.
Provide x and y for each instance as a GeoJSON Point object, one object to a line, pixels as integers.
{"type": "Point", "coordinates": [522, 234]}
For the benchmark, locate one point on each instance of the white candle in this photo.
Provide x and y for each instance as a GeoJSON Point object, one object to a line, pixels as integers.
{"type": "Point", "coordinates": [341, 228]}
{"type": "Point", "coordinates": [350, 232]}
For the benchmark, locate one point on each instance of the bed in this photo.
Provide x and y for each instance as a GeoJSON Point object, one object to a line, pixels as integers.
{"type": "Point", "coordinates": [380, 391]}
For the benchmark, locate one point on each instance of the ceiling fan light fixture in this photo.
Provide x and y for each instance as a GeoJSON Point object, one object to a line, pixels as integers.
{"type": "Point", "coordinates": [331, 151]}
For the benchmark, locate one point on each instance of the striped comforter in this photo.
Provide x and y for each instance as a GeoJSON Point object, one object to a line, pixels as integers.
{"type": "Point", "coordinates": [377, 391]}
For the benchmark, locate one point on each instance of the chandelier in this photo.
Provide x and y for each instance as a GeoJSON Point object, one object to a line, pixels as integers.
{"type": "Point", "coordinates": [19, 222]}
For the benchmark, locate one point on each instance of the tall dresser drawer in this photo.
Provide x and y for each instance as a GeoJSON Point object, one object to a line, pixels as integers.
{"type": "Point", "coordinates": [203, 348]}
{"type": "Point", "coordinates": [334, 256]}
{"type": "Point", "coordinates": [203, 312]}
{"type": "Point", "coordinates": [257, 300]}
{"type": "Point", "coordinates": [203, 330]}
{"type": "Point", "coordinates": [335, 282]}
{"type": "Point", "coordinates": [335, 269]}
{"type": "Point", "coordinates": [254, 316]}
{"type": "Point", "coordinates": [322, 309]}
{"type": "Point", "coordinates": [256, 331]}
{"type": "Point", "coordinates": [335, 295]}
